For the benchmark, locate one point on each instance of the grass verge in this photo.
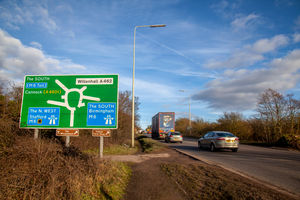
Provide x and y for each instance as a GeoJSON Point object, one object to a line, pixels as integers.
{"type": "Point", "coordinates": [210, 182]}
{"type": "Point", "coordinates": [149, 145]}
{"type": "Point", "coordinates": [114, 150]}
{"type": "Point", "coordinates": [117, 177]}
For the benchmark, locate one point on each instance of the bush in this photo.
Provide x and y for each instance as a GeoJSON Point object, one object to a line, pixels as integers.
{"type": "Point", "coordinates": [45, 170]}
{"type": "Point", "coordinates": [282, 142]}
{"type": "Point", "coordinates": [289, 141]}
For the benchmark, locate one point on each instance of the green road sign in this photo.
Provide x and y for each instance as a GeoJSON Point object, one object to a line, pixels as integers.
{"type": "Point", "coordinates": [70, 101]}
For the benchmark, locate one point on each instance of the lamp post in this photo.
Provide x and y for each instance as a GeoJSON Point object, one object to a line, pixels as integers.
{"type": "Point", "coordinates": [190, 115]}
{"type": "Point", "coordinates": [133, 74]}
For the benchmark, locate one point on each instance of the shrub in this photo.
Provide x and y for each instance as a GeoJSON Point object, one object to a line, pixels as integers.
{"type": "Point", "coordinates": [44, 169]}
{"type": "Point", "coordinates": [289, 141]}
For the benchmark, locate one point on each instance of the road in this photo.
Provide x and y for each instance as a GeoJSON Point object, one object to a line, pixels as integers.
{"type": "Point", "coordinates": [277, 167]}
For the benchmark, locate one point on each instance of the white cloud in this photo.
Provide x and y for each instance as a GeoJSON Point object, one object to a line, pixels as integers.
{"type": "Point", "coordinates": [36, 45]}
{"type": "Point", "coordinates": [296, 37]}
{"type": "Point", "coordinates": [149, 90]}
{"type": "Point", "coordinates": [238, 90]}
{"type": "Point", "coordinates": [245, 21]}
{"type": "Point", "coordinates": [180, 69]}
{"type": "Point", "coordinates": [15, 14]}
{"type": "Point", "coordinates": [226, 8]}
{"type": "Point", "coordinates": [17, 60]}
{"type": "Point", "coordinates": [250, 54]}
{"type": "Point", "coordinates": [268, 45]}
{"type": "Point", "coordinates": [239, 59]}
{"type": "Point", "coordinates": [44, 19]}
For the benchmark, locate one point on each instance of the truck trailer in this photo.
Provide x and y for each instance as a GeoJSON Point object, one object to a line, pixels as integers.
{"type": "Point", "coordinates": [162, 123]}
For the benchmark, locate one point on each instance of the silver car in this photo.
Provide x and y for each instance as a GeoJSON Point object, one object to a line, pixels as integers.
{"type": "Point", "coordinates": [174, 137]}
{"type": "Point", "coordinates": [219, 140]}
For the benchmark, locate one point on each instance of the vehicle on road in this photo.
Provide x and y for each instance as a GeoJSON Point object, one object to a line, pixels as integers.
{"type": "Point", "coordinates": [215, 140]}
{"type": "Point", "coordinates": [149, 131]}
{"type": "Point", "coordinates": [174, 137]}
{"type": "Point", "coordinates": [162, 123]}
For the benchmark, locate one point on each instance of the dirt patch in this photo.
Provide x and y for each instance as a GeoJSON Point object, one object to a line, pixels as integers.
{"type": "Point", "coordinates": [136, 158]}
{"type": "Point", "coordinates": [149, 182]}
{"type": "Point", "coordinates": [176, 177]}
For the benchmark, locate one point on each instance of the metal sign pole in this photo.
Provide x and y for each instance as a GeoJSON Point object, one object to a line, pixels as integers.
{"type": "Point", "coordinates": [190, 116]}
{"type": "Point", "coordinates": [101, 147]}
{"type": "Point", "coordinates": [36, 133]}
{"type": "Point", "coordinates": [67, 141]}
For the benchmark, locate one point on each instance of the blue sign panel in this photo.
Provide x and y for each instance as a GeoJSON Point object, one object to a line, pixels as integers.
{"type": "Point", "coordinates": [43, 116]}
{"type": "Point", "coordinates": [36, 85]}
{"type": "Point", "coordinates": [101, 114]}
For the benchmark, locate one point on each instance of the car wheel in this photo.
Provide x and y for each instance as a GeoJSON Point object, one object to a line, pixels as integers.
{"type": "Point", "coordinates": [212, 148]}
{"type": "Point", "coordinates": [234, 150]}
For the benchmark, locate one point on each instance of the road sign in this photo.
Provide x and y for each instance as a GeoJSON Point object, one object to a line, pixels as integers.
{"type": "Point", "coordinates": [70, 101]}
{"type": "Point", "coordinates": [67, 132]}
{"type": "Point", "coordinates": [101, 114]}
{"type": "Point", "coordinates": [99, 133]}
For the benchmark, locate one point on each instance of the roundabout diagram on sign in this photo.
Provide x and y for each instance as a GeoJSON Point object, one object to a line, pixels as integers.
{"type": "Point", "coordinates": [65, 103]}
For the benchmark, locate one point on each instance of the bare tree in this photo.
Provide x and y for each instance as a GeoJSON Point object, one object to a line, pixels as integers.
{"type": "Point", "coordinates": [123, 132]}
{"type": "Point", "coordinates": [181, 125]}
{"type": "Point", "coordinates": [235, 123]}
{"type": "Point", "coordinates": [279, 114]}
{"type": "Point", "coordinates": [293, 111]}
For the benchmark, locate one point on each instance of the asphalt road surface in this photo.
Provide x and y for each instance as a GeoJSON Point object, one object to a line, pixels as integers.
{"type": "Point", "coordinates": [277, 167]}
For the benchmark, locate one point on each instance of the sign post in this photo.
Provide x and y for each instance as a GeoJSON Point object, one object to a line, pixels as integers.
{"type": "Point", "coordinates": [67, 141]}
{"type": "Point", "coordinates": [67, 133]}
{"type": "Point", "coordinates": [70, 102]}
{"type": "Point", "coordinates": [101, 133]}
{"type": "Point", "coordinates": [36, 133]}
{"type": "Point", "coordinates": [101, 147]}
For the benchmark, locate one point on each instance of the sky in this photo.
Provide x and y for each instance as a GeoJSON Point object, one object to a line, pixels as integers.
{"type": "Point", "coordinates": [216, 55]}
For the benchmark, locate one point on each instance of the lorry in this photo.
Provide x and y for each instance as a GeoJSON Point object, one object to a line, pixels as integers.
{"type": "Point", "coordinates": [162, 123]}
{"type": "Point", "coordinates": [149, 130]}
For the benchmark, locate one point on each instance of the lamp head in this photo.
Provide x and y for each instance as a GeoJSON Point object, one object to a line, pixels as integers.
{"type": "Point", "coordinates": [158, 25]}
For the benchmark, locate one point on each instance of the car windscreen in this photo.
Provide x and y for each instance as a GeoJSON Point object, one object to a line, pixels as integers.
{"type": "Point", "coordinates": [225, 135]}
{"type": "Point", "coordinates": [176, 133]}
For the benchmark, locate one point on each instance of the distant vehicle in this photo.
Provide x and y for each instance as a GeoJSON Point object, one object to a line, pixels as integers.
{"type": "Point", "coordinates": [149, 131]}
{"type": "Point", "coordinates": [174, 137]}
{"type": "Point", "coordinates": [215, 140]}
{"type": "Point", "coordinates": [162, 123]}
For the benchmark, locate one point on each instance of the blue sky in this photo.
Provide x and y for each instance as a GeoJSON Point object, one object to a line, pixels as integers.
{"type": "Point", "coordinates": [222, 54]}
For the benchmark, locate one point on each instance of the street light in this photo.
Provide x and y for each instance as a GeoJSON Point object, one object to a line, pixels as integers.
{"type": "Point", "coordinates": [133, 71]}
{"type": "Point", "coordinates": [190, 116]}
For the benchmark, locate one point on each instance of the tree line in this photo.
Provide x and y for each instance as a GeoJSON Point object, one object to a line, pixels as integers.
{"type": "Point", "coordinates": [276, 122]}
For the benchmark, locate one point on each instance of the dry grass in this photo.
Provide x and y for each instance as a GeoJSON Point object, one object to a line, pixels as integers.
{"type": "Point", "coordinates": [149, 145]}
{"type": "Point", "coordinates": [201, 181]}
{"type": "Point", "coordinates": [90, 145]}
{"type": "Point", "coordinates": [6, 136]}
{"type": "Point", "coordinates": [45, 170]}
